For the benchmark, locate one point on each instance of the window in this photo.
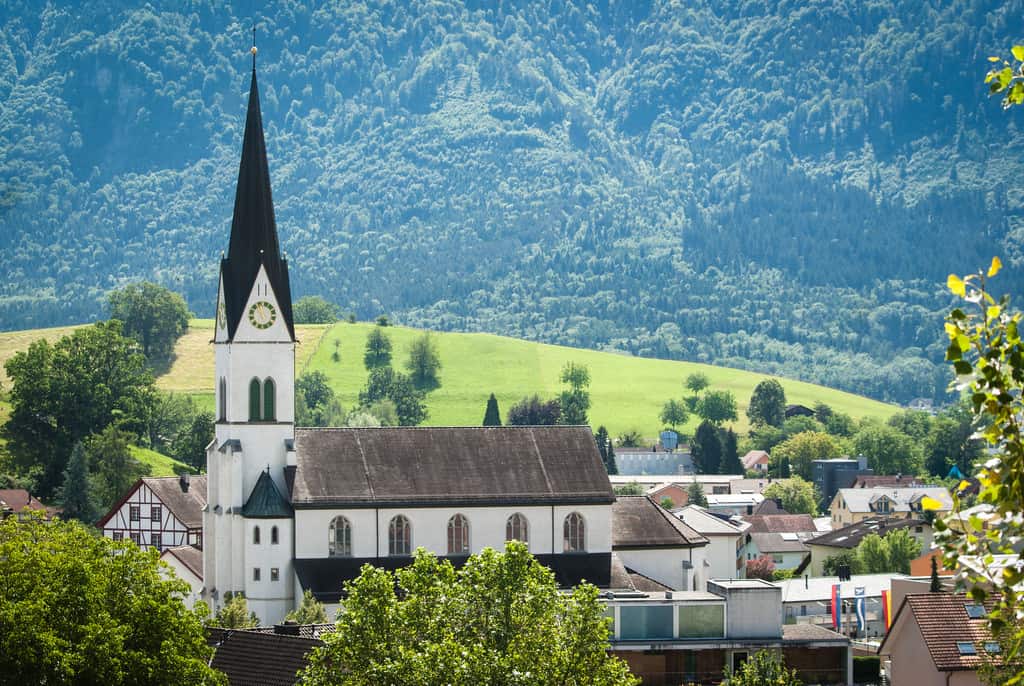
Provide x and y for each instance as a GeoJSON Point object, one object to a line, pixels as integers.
{"type": "Point", "coordinates": [275, 574]}
{"type": "Point", "coordinates": [777, 559]}
{"type": "Point", "coordinates": [340, 538]}
{"type": "Point", "coordinates": [574, 539]}
{"type": "Point", "coordinates": [254, 400]}
{"type": "Point", "coordinates": [255, 535]}
{"type": "Point", "coordinates": [156, 513]}
{"type": "Point", "coordinates": [965, 648]}
{"type": "Point", "coordinates": [399, 536]}
{"type": "Point", "coordinates": [268, 401]}
{"type": "Point", "coordinates": [222, 400]}
{"type": "Point", "coordinates": [918, 529]}
{"type": "Point", "coordinates": [155, 540]}
{"type": "Point", "coordinates": [195, 539]}
{"type": "Point", "coordinates": [134, 535]}
{"type": "Point", "coordinates": [273, 535]}
{"type": "Point", "coordinates": [133, 513]}
{"type": "Point", "coordinates": [992, 647]}
{"type": "Point", "coordinates": [458, 535]}
{"type": "Point", "coordinates": [517, 528]}
{"type": "Point", "coordinates": [118, 535]}
{"type": "Point", "coordinates": [255, 573]}
{"type": "Point", "coordinates": [975, 611]}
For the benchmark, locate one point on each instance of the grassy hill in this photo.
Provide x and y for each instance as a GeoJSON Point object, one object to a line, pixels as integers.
{"type": "Point", "coordinates": [627, 392]}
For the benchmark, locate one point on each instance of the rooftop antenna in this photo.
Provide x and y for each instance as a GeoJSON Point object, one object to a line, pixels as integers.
{"type": "Point", "coordinates": [253, 49]}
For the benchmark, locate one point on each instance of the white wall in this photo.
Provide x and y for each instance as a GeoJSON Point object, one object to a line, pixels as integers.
{"type": "Point", "coordinates": [721, 553]}
{"type": "Point", "coordinates": [665, 565]}
{"type": "Point", "coordinates": [269, 599]}
{"type": "Point", "coordinates": [185, 574]}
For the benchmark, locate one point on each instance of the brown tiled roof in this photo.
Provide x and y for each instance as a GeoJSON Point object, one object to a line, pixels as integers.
{"type": "Point", "coordinates": [187, 507]}
{"type": "Point", "coordinates": [251, 658]}
{"type": "Point", "coordinates": [754, 457]}
{"type": "Point", "coordinates": [779, 523]}
{"type": "Point", "coordinates": [448, 465]}
{"type": "Point", "coordinates": [18, 499]}
{"type": "Point", "coordinates": [851, 535]}
{"type": "Point", "coordinates": [639, 522]}
{"type": "Point", "coordinates": [943, 622]}
{"type": "Point", "coordinates": [188, 555]}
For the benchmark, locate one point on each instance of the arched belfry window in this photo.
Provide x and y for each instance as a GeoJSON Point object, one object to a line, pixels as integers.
{"type": "Point", "coordinates": [517, 528]}
{"type": "Point", "coordinates": [340, 537]}
{"type": "Point", "coordinates": [255, 535]}
{"type": "Point", "coordinates": [574, 535]}
{"type": "Point", "coordinates": [458, 535]}
{"type": "Point", "coordinates": [273, 535]}
{"type": "Point", "coordinates": [222, 411]}
{"type": "Point", "coordinates": [254, 400]}
{"type": "Point", "coordinates": [399, 536]}
{"type": "Point", "coordinates": [268, 401]}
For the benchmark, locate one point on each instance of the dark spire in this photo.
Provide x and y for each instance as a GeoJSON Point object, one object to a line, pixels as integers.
{"type": "Point", "coordinates": [253, 228]}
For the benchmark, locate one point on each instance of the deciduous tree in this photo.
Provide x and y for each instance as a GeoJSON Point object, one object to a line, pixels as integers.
{"type": "Point", "coordinates": [378, 349]}
{"type": "Point", "coordinates": [673, 414]}
{"type": "Point", "coordinates": [763, 668]}
{"type": "Point", "coordinates": [152, 315]}
{"type": "Point", "coordinates": [310, 611]}
{"type": "Point", "coordinates": [234, 613]}
{"type": "Point", "coordinates": [717, 407]}
{"type": "Point", "coordinates": [803, 448]}
{"type": "Point", "coordinates": [798, 496]}
{"type": "Point", "coordinates": [424, 362]}
{"type": "Point", "coordinates": [533, 411]}
{"type": "Point", "coordinates": [312, 309]}
{"type": "Point", "coordinates": [385, 383]}
{"type": "Point", "coordinates": [888, 451]}
{"type": "Point", "coordinates": [574, 400]}
{"type": "Point", "coordinates": [767, 404]}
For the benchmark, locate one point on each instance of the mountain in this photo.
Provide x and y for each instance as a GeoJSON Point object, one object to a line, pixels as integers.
{"type": "Point", "coordinates": [779, 186]}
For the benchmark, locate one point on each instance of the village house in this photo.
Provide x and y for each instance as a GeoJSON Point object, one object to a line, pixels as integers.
{"type": "Point", "coordinates": [159, 512]}
{"type": "Point", "coordinates": [852, 505]}
{"type": "Point", "coordinates": [847, 538]}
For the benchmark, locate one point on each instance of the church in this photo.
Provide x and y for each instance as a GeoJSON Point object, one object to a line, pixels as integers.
{"type": "Point", "coordinates": [292, 509]}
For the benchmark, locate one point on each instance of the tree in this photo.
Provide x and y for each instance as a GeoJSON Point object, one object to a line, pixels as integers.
{"type": "Point", "coordinates": [533, 411]}
{"type": "Point", "coordinates": [873, 554]}
{"type": "Point", "coordinates": [695, 494]}
{"type": "Point", "coordinates": [717, 407]}
{"type": "Point", "coordinates": [667, 503]}
{"type": "Point", "coordinates": [492, 417]}
{"type": "Point", "coordinates": [575, 400]}
{"type": "Point", "coordinates": [936, 584]}
{"type": "Point", "coordinates": [673, 414]}
{"type": "Point", "coordinates": [152, 315]}
{"type": "Point", "coordinates": [79, 608]}
{"type": "Point", "coordinates": [847, 558]}
{"type": "Point", "coordinates": [888, 451]}
{"type": "Point", "coordinates": [630, 439]}
{"type": "Point", "coordinates": [764, 668]}
{"type": "Point", "coordinates": [169, 414]}
{"type": "Point", "coordinates": [902, 548]}
{"type": "Point", "coordinates": [798, 496]}
{"type": "Point", "coordinates": [1008, 79]}
{"type": "Point", "coordinates": [190, 445]}
{"type": "Point", "coordinates": [234, 613]}
{"type": "Point", "coordinates": [731, 463]}
{"type": "Point", "coordinates": [312, 309]}
{"type": "Point", "coordinates": [111, 459]}
{"type": "Point", "coordinates": [424, 362]}
{"type": "Point", "coordinates": [607, 450]}
{"type": "Point", "coordinates": [762, 567]}
{"type": "Point", "coordinates": [609, 464]}
{"type": "Point", "coordinates": [803, 448]}
{"type": "Point", "coordinates": [767, 404]}
{"type": "Point", "coordinates": [385, 383]}
{"type": "Point", "coordinates": [378, 349]}
{"type": "Point", "coordinates": [632, 488]}
{"type": "Point", "coordinates": [62, 393]}
{"type": "Point", "coordinates": [697, 382]}
{"type": "Point", "coordinates": [499, 616]}
{"type": "Point", "coordinates": [76, 492]}
{"type": "Point", "coordinates": [315, 388]}
{"type": "Point", "coordinates": [706, 449]}
{"type": "Point", "coordinates": [310, 611]}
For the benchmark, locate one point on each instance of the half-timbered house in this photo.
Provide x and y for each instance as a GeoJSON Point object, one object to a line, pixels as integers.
{"type": "Point", "coordinates": [159, 512]}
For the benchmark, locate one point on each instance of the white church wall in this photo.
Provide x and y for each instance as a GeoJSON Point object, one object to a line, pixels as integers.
{"type": "Point", "coordinates": [269, 595]}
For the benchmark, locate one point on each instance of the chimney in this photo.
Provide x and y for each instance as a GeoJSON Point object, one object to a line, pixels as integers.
{"type": "Point", "coordinates": [183, 482]}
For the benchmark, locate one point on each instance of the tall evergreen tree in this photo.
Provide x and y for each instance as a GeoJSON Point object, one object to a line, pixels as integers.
{"type": "Point", "coordinates": [610, 464]}
{"type": "Point", "coordinates": [76, 493]}
{"type": "Point", "coordinates": [492, 417]}
{"type": "Point", "coordinates": [936, 584]}
{"type": "Point", "coordinates": [604, 446]}
{"type": "Point", "coordinates": [695, 495]}
{"type": "Point", "coordinates": [730, 453]}
{"type": "Point", "coordinates": [706, 449]}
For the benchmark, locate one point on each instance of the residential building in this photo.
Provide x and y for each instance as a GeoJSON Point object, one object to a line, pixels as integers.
{"type": "Point", "coordinates": [849, 537]}
{"type": "Point", "coordinates": [888, 481]}
{"type": "Point", "coordinates": [658, 545]}
{"type": "Point", "coordinates": [726, 541]}
{"type": "Point", "coordinates": [734, 503]}
{"type": "Point", "coordinates": [159, 512]}
{"type": "Point", "coordinates": [756, 460]}
{"type": "Point", "coordinates": [786, 550]}
{"type": "Point", "coordinates": [808, 600]}
{"type": "Point", "coordinates": [14, 501]}
{"type": "Point", "coordinates": [636, 461]}
{"type": "Point", "coordinates": [831, 475]}
{"type": "Point", "coordinates": [187, 563]}
{"type": "Point", "coordinates": [937, 639]}
{"type": "Point", "coordinates": [852, 505]}
{"type": "Point", "coordinates": [267, 656]}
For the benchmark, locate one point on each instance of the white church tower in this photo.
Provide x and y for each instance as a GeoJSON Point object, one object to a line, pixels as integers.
{"type": "Point", "coordinates": [248, 525]}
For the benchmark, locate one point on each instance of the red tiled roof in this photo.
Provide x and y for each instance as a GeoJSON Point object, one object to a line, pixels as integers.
{"type": "Point", "coordinates": [943, 622]}
{"type": "Point", "coordinates": [18, 499]}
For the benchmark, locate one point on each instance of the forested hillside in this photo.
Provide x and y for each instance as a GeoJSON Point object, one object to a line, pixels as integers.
{"type": "Point", "coordinates": [780, 186]}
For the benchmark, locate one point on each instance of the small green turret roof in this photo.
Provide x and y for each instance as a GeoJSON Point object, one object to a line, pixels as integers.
{"type": "Point", "coordinates": [265, 501]}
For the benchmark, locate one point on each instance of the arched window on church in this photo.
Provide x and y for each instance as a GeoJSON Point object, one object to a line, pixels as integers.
{"type": "Point", "coordinates": [399, 536]}
{"type": "Point", "coordinates": [340, 537]}
{"type": "Point", "coordinates": [574, 534]}
{"type": "Point", "coordinates": [254, 400]}
{"type": "Point", "coordinates": [458, 535]}
{"type": "Point", "coordinates": [273, 535]}
{"type": "Point", "coordinates": [268, 401]}
{"type": "Point", "coordinates": [222, 412]}
{"type": "Point", "coordinates": [517, 528]}
{"type": "Point", "coordinates": [255, 535]}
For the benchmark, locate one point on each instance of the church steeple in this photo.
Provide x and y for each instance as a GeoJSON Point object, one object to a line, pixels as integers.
{"type": "Point", "coordinates": [253, 228]}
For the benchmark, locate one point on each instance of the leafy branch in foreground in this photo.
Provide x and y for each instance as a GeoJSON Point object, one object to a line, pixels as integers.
{"type": "Point", "coordinates": [1008, 78]}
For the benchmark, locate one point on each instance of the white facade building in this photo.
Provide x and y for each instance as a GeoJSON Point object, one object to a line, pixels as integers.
{"type": "Point", "coordinates": [159, 512]}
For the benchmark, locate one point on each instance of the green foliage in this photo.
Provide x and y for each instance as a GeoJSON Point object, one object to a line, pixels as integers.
{"type": "Point", "coordinates": [424, 362]}
{"type": "Point", "coordinates": [384, 383]}
{"type": "Point", "coordinates": [630, 439]}
{"type": "Point", "coordinates": [62, 393]}
{"type": "Point", "coordinates": [731, 463]}
{"type": "Point", "coordinates": [888, 451]}
{"type": "Point", "coordinates": [867, 669]}
{"type": "Point", "coordinates": [574, 400]}
{"type": "Point", "coordinates": [492, 416]}
{"type": "Point", "coordinates": [706, 449]}
{"type": "Point", "coordinates": [632, 488]}
{"type": "Point", "coordinates": [763, 668]}
{"type": "Point", "coordinates": [674, 414]}
{"type": "Point", "coordinates": [234, 613]}
{"type": "Point", "coordinates": [695, 494]}
{"type": "Point", "coordinates": [892, 553]}
{"type": "Point", "coordinates": [607, 450]}
{"type": "Point", "coordinates": [76, 493]}
{"type": "Point", "coordinates": [800, 450]}
{"type": "Point", "coordinates": [116, 470]}
{"type": "Point", "coordinates": [667, 503]}
{"type": "Point", "coordinates": [767, 404]}
{"type": "Point", "coordinates": [848, 558]}
{"type": "Point", "coordinates": [717, 407]}
{"type": "Point", "coordinates": [190, 444]}
{"type": "Point", "coordinates": [313, 309]}
{"type": "Point", "coordinates": [1008, 78]}
{"type": "Point", "coordinates": [315, 388]}
{"type": "Point", "coordinates": [152, 315]}
{"type": "Point", "coordinates": [500, 616]}
{"type": "Point", "coordinates": [935, 584]}
{"type": "Point", "coordinates": [533, 411]}
{"type": "Point", "coordinates": [169, 415]}
{"type": "Point", "coordinates": [798, 495]}
{"type": "Point", "coordinates": [378, 349]}
{"type": "Point", "coordinates": [78, 608]}
{"type": "Point", "coordinates": [310, 611]}
{"type": "Point", "coordinates": [697, 382]}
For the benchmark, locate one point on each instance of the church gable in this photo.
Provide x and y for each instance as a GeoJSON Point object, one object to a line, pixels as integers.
{"type": "Point", "coordinates": [402, 466]}
{"type": "Point", "coordinates": [262, 314]}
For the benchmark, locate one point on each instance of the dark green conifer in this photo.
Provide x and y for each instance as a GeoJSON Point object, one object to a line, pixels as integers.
{"type": "Point", "coordinates": [492, 417]}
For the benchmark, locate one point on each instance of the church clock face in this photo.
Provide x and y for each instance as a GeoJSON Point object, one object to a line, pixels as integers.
{"type": "Point", "coordinates": [222, 316]}
{"type": "Point", "coordinates": [262, 315]}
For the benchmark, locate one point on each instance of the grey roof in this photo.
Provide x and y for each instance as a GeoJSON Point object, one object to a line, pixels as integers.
{"type": "Point", "coordinates": [368, 467]}
{"type": "Point", "coordinates": [779, 523]}
{"type": "Point", "coordinates": [851, 535]}
{"type": "Point", "coordinates": [251, 658]}
{"type": "Point", "coordinates": [639, 522]}
{"type": "Point", "coordinates": [819, 588]}
{"type": "Point", "coordinates": [186, 506]}
{"type": "Point", "coordinates": [860, 499]}
{"type": "Point", "coordinates": [811, 632]}
{"type": "Point", "coordinates": [188, 555]}
{"type": "Point", "coordinates": [265, 501]}
{"type": "Point", "coordinates": [777, 543]}
{"type": "Point", "coordinates": [705, 523]}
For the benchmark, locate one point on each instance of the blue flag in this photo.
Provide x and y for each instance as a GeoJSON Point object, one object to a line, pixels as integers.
{"type": "Point", "coordinates": [858, 594]}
